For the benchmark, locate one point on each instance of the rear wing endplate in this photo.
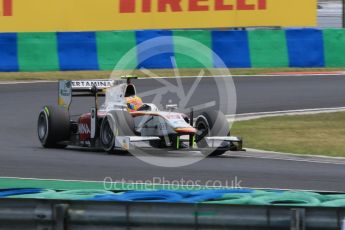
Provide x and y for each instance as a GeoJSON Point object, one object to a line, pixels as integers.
{"type": "Point", "coordinates": [82, 88]}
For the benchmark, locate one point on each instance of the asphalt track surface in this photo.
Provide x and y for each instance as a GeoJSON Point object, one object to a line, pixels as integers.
{"type": "Point", "coordinates": [22, 156]}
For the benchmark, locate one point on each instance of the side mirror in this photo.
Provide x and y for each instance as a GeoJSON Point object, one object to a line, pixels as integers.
{"type": "Point", "coordinates": [171, 107]}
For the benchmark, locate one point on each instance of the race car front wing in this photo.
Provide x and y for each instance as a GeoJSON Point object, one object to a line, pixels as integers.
{"type": "Point", "coordinates": [228, 143]}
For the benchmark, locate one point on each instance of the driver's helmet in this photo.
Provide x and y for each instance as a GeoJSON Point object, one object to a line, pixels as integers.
{"type": "Point", "coordinates": [133, 103]}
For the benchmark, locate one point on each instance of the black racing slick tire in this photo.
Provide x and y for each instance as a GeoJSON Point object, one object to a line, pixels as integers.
{"type": "Point", "coordinates": [208, 124]}
{"type": "Point", "coordinates": [53, 126]}
{"type": "Point", "coordinates": [116, 122]}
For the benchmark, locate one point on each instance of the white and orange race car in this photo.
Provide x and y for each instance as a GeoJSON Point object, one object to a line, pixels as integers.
{"type": "Point", "coordinates": [124, 123]}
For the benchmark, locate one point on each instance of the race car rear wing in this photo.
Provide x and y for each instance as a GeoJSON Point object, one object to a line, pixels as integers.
{"type": "Point", "coordinates": [82, 88]}
{"type": "Point", "coordinates": [87, 88]}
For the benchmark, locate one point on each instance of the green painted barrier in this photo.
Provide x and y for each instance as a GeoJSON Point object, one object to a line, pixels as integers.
{"type": "Point", "coordinates": [232, 199]}
{"type": "Point", "coordinates": [112, 46]}
{"type": "Point", "coordinates": [334, 203]}
{"type": "Point", "coordinates": [286, 199]}
{"type": "Point", "coordinates": [268, 48]}
{"type": "Point", "coordinates": [69, 195]}
{"type": "Point", "coordinates": [334, 45]}
{"type": "Point", "coordinates": [202, 36]}
{"type": "Point", "coordinates": [38, 52]}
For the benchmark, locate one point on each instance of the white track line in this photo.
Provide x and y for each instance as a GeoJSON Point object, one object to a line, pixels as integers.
{"type": "Point", "coordinates": [221, 76]}
{"type": "Point", "coordinates": [291, 157]}
{"type": "Point", "coordinates": [25, 82]}
{"type": "Point", "coordinates": [297, 75]}
{"type": "Point", "coordinates": [321, 157]}
{"type": "Point", "coordinates": [251, 116]}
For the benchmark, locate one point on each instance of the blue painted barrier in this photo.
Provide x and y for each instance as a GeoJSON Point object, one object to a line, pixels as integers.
{"type": "Point", "coordinates": [232, 47]}
{"type": "Point", "coordinates": [8, 52]}
{"type": "Point", "coordinates": [77, 51]}
{"type": "Point", "coordinates": [14, 192]}
{"type": "Point", "coordinates": [146, 55]}
{"type": "Point", "coordinates": [305, 48]}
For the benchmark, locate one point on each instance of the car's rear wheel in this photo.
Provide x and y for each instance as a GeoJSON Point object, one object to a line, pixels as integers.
{"type": "Point", "coordinates": [116, 123]}
{"type": "Point", "coordinates": [208, 124]}
{"type": "Point", "coordinates": [53, 127]}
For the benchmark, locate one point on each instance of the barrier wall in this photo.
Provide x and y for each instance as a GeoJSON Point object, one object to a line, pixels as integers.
{"type": "Point", "coordinates": [208, 196]}
{"type": "Point", "coordinates": [238, 49]}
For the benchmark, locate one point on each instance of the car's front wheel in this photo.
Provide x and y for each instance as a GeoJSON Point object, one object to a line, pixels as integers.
{"type": "Point", "coordinates": [208, 124]}
{"type": "Point", "coordinates": [107, 136]}
{"type": "Point", "coordinates": [116, 123]}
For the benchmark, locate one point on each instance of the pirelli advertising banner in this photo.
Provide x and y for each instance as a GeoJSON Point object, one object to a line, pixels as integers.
{"type": "Point", "coordinates": [94, 15]}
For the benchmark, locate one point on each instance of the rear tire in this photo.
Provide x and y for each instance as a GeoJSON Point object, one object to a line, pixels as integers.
{"type": "Point", "coordinates": [116, 122]}
{"type": "Point", "coordinates": [53, 126]}
{"type": "Point", "coordinates": [208, 124]}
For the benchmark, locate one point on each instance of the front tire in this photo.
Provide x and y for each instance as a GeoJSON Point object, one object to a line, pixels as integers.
{"type": "Point", "coordinates": [107, 136]}
{"type": "Point", "coordinates": [116, 122]}
{"type": "Point", "coordinates": [208, 124]}
{"type": "Point", "coordinates": [53, 126]}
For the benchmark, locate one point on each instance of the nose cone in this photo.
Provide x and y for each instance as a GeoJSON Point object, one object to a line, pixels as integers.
{"type": "Point", "coordinates": [189, 130]}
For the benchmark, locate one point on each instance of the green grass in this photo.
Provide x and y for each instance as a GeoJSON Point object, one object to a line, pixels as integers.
{"type": "Point", "coordinates": [319, 134]}
{"type": "Point", "coordinates": [6, 183]}
{"type": "Point", "coordinates": [8, 76]}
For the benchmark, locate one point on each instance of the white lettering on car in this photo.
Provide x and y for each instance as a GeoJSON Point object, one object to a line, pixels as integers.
{"type": "Point", "coordinates": [84, 129]}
